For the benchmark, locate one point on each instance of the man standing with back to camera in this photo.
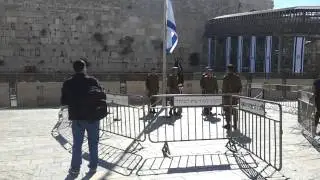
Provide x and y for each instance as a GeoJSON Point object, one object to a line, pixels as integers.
{"type": "Point", "coordinates": [74, 94]}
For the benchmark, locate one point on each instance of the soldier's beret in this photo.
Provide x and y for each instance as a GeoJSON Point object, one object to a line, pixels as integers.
{"type": "Point", "coordinates": [230, 66]}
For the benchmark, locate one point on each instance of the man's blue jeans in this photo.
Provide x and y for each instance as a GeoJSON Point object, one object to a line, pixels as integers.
{"type": "Point", "coordinates": [78, 129]}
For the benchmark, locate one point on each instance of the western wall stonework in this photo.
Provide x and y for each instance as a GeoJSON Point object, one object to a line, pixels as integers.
{"type": "Point", "coordinates": [115, 35]}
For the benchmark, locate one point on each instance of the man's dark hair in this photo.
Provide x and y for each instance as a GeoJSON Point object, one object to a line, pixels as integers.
{"type": "Point", "coordinates": [79, 65]}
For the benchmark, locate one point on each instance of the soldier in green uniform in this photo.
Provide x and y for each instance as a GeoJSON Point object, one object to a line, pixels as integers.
{"type": "Point", "coordinates": [202, 78]}
{"type": "Point", "coordinates": [231, 85]}
{"type": "Point", "coordinates": [173, 88]}
{"type": "Point", "coordinates": [209, 85]}
{"type": "Point", "coordinates": [152, 86]}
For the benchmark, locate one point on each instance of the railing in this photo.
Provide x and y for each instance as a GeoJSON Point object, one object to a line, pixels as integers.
{"type": "Point", "coordinates": [258, 131]}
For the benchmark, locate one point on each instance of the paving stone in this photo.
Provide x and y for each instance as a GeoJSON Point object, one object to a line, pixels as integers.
{"type": "Point", "coordinates": [42, 157]}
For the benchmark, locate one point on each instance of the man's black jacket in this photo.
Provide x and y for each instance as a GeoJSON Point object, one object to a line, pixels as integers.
{"type": "Point", "coordinates": [74, 93]}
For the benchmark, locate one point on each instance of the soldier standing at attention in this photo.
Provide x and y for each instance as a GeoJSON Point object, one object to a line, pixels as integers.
{"type": "Point", "coordinates": [152, 86]}
{"type": "Point", "coordinates": [316, 92]}
{"type": "Point", "coordinates": [202, 79]}
{"type": "Point", "coordinates": [231, 85]}
{"type": "Point", "coordinates": [209, 85]}
{"type": "Point", "coordinates": [173, 88]}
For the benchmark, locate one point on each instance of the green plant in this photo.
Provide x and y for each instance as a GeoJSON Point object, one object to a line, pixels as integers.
{"type": "Point", "coordinates": [43, 32]}
{"type": "Point", "coordinates": [98, 37]}
{"type": "Point", "coordinates": [79, 18]}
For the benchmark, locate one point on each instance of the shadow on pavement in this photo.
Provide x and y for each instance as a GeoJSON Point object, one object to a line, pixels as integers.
{"type": "Point", "coordinates": [159, 121]}
{"type": "Point", "coordinates": [212, 119]}
{"type": "Point", "coordinates": [112, 158]}
{"type": "Point", "coordinates": [315, 142]}
{"type": "Point", "coordinates": [239, 137]}
{"type": "Point", "coordinates": [191, 163]}
{"type": "Point", "coordinates": [265, 171]}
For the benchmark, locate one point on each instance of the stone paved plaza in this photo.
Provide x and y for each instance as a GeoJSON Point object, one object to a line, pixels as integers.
{"type": "Point", "coordinates": [30, 150]}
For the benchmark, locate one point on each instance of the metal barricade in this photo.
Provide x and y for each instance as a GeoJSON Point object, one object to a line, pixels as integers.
{"type": "Point", "coordinates": [286, 95]}
{"type": "Point", "coordinates": [258, 131]}
{"type": "Point", "coordinates": [306, 112]}
{"type": "Point", "coordinates": [126, 116]}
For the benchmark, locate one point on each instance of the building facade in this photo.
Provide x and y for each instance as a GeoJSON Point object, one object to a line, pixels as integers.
{"type": "Point", "coordinates": [269, 41]}
{"type": "Point", "coordinates": [115, 35]}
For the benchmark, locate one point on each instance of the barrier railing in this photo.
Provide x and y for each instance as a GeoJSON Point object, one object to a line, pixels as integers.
{"type": "Point", "coordinates": [126, 118]}
{"type": "Point", "coordinates": [255, 129]}
{"type": "Point", "coordinates": [307, 112]}
{"type": "Point", "coordinates": [258, 131]}
{"type": "Point", "coordinates": [286, 95]}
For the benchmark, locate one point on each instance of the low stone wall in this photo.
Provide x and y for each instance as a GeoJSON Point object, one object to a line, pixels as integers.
{"type": "Point", "coordinates": [47, 94]}
{"type": "Point", "coordinates": [37, 94]}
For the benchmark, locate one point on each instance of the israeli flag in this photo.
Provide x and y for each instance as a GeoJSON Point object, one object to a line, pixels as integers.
{"type": "Point", "coordinates": [268, 54]}
{"type": "Point", "coordinates": [298, 54]}
{"type": "Point", "coordinates": [253, 49]}
{"type": "Point", "coordinates": [172, 36]}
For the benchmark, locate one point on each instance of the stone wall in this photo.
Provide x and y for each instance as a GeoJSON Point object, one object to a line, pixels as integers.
{"type": "Point", "coordinates": [116, 35]}
{"type": "Point", "coordinates": [4, 95]}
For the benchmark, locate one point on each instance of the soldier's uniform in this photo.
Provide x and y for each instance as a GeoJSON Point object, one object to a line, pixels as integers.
{"type": "Point", "coordinates": [316, 91]}
{"type": "Point", "coordinates": [173, 87]}
{"type": "Point", "coordinates": [209, 85]}
{"type": "Point", "coordinates": [231, 85]}
{"type": "Point", "coordinates": [152, 85]}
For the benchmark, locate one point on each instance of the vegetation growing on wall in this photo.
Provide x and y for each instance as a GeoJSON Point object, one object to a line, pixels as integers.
{"type": "Point", "coordinates": [126, 45]}
{"type": "Point", "coordinates": [98, 37]}
{"type": "Point", "coordinates": [43, 32]}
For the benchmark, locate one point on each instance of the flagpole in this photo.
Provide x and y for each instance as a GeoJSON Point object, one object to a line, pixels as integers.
{"type": "Point", "coordinates": [164, 54]}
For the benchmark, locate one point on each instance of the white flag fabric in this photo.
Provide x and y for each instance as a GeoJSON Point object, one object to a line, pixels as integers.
{"type": "Point", "coordinates": [253, 48]}
{"type": "Point", "coordinates": [228, 50]}
{"type": "Point", "coordinates": [268, 51]}
{"type": "Point", "coordinates": [298, 54]}
{"type": "Point", "coordinates": [240, 53]}
{"type": "Point", "coordinates": [172, 36]}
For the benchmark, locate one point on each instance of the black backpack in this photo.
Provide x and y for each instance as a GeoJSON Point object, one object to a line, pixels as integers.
{"type": "Point", "coordinates": [96, 103]}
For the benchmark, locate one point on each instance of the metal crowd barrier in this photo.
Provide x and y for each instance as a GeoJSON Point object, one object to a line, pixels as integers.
{"type": "Point", "coordinates": [258, 131]}
{"type": "Point", "coordinates": [125, 118]}
{"type": "Point", "coordinates": [306, 112]}
{"type": "Point", "coordinates": [286, 95]}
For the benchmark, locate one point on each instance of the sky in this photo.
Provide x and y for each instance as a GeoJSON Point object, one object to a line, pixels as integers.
{"type": "Point", "coordinates": [293, 3]}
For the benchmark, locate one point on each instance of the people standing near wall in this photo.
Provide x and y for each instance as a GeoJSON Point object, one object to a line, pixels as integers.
{"type": "Point", "coordinates": [209, 85]}
{"type": "Point", "coordinates": [316, 92]}
{"type": "Point", "coordinates": [152, 86]}
{"type": "Point", "coordinates": [173, 88]}
{"type": "Point", "coordinates": [75, 96]}
{"type": "Point", "coordinates": [231, 85]}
